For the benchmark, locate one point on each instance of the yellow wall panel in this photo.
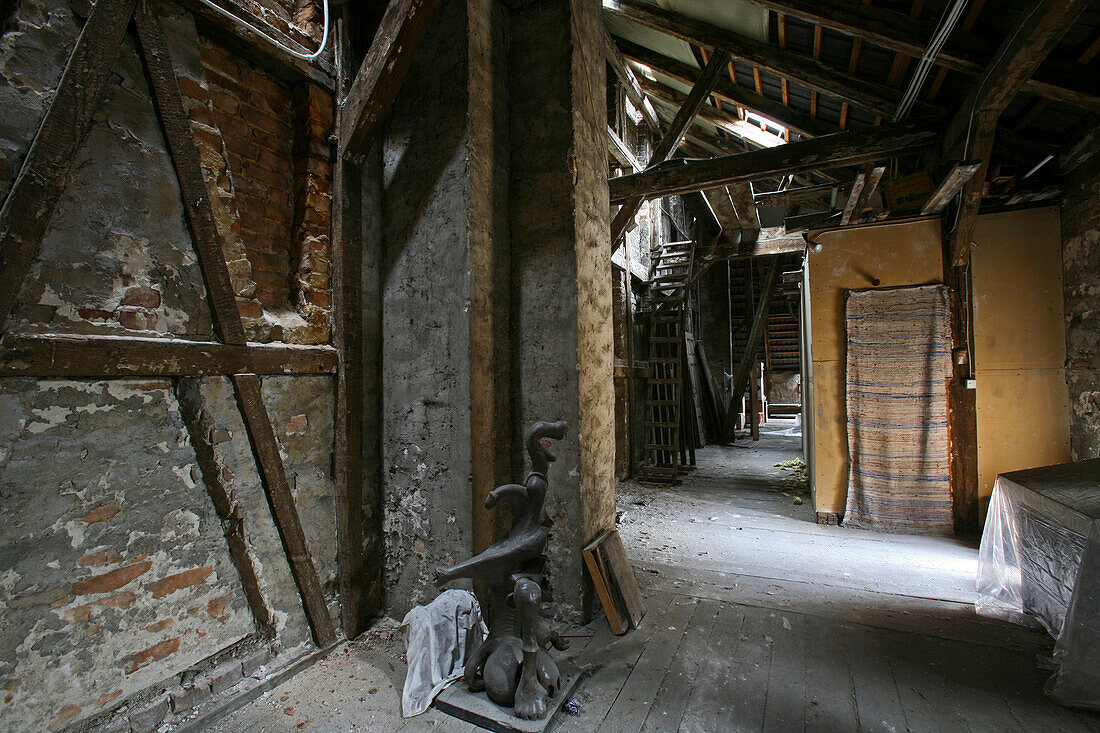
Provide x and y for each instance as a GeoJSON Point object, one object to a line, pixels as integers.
{"type": "Point", "coordinates": [830, 437]}
{"type": "Point", "coordinates": [1023, 422]}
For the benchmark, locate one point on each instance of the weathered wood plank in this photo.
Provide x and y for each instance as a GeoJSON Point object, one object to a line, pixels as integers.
{"type": "Point", "coordinates": [747, 686]}
{"type": "Point", "coordinates": [928, 702]}
{"type": "Point", "coordinates": [636, 697]}
{"type": "Point", "coordinates": [242, 39]}
{"type": "Point", "coordinates": [227, 319]}
{"type": "Point", "coordinates": [672, 137]}
{"type": "Point", "coordinates": [830, 151]}
{"type": "Point", "coordinates": [955, 179]}
{"type": "Point", "coordinates": [65, 355]}
{"type": "Point", "coordinates": [876, 692]}
{"type": "Point", "coordinates": [671, 701]}
{"type": "Point", "coordinates": [383, 70]}
{"type": "Point", "coordinates": [30, 204]}
{"type": "Point", "coordinates": [812, 73]}
{"type": "Point", "coordinates": [622, 575]}
{"type": "Point", "coordinates": [830, 697]}
{"type": "Point", "coordinates": [785, 709]}
{"type": "Point", "coordinates": [621, 152]}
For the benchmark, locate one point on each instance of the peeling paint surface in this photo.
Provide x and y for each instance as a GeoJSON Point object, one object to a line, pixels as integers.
{"type": "Point", "coordinates": [114, 569]}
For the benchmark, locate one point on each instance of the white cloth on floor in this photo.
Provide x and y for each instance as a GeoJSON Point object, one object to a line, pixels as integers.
{"type": "Point", "coordinates": [438, 638]}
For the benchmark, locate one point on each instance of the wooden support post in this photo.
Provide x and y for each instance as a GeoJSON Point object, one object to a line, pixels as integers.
{"type": "Point", "coordinates": [741, 376]}
{"type": "Point", "coordinates": [695, 101]}
{"type": "Point", "coordinates": [853, 197]}
{"type": "Point", "coordinates": [347, 255]}
{"type": "Point", "coordinates": [30, 204]}
{"type": "Point", "coordinates": [227, 320]}
{"type": "Point", "coordinates": [951, 184]}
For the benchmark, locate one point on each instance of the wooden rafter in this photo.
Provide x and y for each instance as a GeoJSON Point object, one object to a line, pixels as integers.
{"type": "Point", "coordinates": [909, 35]}
{"type": "Point", "coordinates": [831, 151]}
{"type": "Point", "coordinates": [30, 204]}
{"type": "Point", "coordinates": [971, 132]}
{"type": "Point", "coordinates": [200, 218]}
{"type": "Point", "coordinates": [1037, 108]}
{"type": "Point", "coordinates": [630, 83]}
{"type": "Point", "coordinates": [685, 74]}
{"type": "Point", "coordinates": [812, 74]}
{"type": "Point", "coordinates": [671, 140]}
{"type": "Point", "coordinates": [383, 69]}
{"type": "Point", "coordinates": [968, 23]}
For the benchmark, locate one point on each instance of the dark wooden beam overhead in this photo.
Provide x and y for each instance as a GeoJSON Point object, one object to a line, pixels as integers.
{"type": "Point", "coordinates": [830, 151]}
{"type": "Point", "coordinates": [671, 140]}
{"type": "Point", "coordinates": [100, 357]}
{"type": "Point", "coordinates": [817, 76]}
{"type": "Point", "coordinates": [383, 70]}
{"type": "Point", "coordinates": [707, 113]}
{"type": "Point", "coordinates": [1057, 80]}
{"type": "Point", "coordinates": [970, 134]}
{"type": "Point", "coordinates": [630, 82]}
{"type": "Point", "coordinates": [955, 179]}
{"type": "Point", "coordinates": [30, 204]}
{"type": "Point", "coordinates": [791, 118]}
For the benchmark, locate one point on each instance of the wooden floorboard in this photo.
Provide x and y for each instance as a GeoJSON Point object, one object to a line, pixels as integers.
{"type": "Point", "coordinates": [749, 670]}
{"type": "Point", "coordinates": [877, 702]}
{"type": "Point", "coordinates": [784, 708]}
{"type": "Point", "coordinates": [632, 704]}
{"type": "Point", "coordinates": [670, 702]}
{"type": "Point", "coordinates": [830, 697]}
{"type": "Point", "coordinates": [713, 688]}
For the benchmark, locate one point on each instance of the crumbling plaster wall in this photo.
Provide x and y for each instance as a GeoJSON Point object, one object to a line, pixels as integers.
{"type": "Point", "coordinates": [1081, 289]}
{"type": "Point", "coordinates": [425, 293]}
{"type": "Point", "coordinates": [114, 574]}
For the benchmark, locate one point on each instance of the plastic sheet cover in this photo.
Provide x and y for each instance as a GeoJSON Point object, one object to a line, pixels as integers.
{"type": "Point", "coordinates": [438, 639]}
{"type": "Point", "coordinates": [1039, 563]}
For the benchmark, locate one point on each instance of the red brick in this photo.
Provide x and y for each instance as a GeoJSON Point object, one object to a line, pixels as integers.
{"type": "Point", "coordinates": [322, 299]}
{"type": "Point", "coordinates": [271, 298]}
{"type": "Point", "coordinates": [216, 607]}
{"type": "Point", "coordinates": [191, 88]}
{"type": "Point", "coordinates": [160, 625]}
{"type": "Point", "coordinates": [142, 296]}
{"type": "Point", "coordinates": [97, 559]}
{"type": "Point", "coordinates": [64, 716]}
{"type": "Point", "coordinates": [152, 654]}
{"type": "Point", "coordinates": [94, 314]}
{"type": "Point", "coordinates": [115, 600]}
{"type": "Point", "coordinates": [202, 116]}
{"type": "Point", "coordinates": [179, 581]}
{"type": "Point", "coordinates": [106, 511]}
{"type": "Point", "coordinates": [106, 697]}
{"type": "Point", "coordinates": [111, 581]}
{"type": "Point", "coordinates": [135, 320]}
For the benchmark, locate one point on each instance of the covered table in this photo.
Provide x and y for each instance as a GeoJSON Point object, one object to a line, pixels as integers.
{"type": "Point", "coordinates": [1040, 561]}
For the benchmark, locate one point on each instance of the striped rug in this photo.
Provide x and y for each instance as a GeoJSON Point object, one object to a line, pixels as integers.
{"type": "Point", "coordinates": [899, 360]}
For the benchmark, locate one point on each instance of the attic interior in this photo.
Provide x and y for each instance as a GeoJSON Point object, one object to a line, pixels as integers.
{"type": "Point", "coordinates": [283, 283]}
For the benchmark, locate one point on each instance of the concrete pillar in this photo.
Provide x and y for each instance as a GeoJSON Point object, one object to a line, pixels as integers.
{"type": "Point", "coordinates": [493, 284]}
{"type": "Point", "coordinates": [561, 267]}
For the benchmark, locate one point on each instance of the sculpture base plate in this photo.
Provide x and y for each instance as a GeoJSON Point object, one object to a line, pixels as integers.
{"type": "Point", "coordinates": [478, 709]}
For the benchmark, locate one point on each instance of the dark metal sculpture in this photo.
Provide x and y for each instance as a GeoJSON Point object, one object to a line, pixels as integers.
{"type": "Point", "coordinates": [512, 665]}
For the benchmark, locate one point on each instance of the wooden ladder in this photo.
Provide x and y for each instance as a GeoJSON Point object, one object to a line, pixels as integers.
{"type": "Point", "coordinates": [664, 384]}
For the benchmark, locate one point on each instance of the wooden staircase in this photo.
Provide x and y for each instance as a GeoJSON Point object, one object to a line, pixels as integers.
{"type": "Point", "coordinates": [664, 411]}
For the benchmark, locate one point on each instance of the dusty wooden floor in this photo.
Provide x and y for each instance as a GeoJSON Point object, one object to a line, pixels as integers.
{"type": "Point", "coordinates": [758, 619]}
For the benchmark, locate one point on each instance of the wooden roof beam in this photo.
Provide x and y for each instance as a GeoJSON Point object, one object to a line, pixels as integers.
{"type": "Point", "coordinates": [971, 132]}
{"type": "Point", "coordinates": [790, 118]}
{"type": "Point", "coordinates": [809, 72]}
{"type": "Point", "coordinates": [965, 53]}
{"type": "Point", "coordinates": [671, 140]}
{"type": "Point", "coordinates": [630, 83]}
{"type": "Point", "coordinates": [830, 151]}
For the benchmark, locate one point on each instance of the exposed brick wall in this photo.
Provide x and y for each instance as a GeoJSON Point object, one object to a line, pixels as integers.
{"type": "Point", "coordinates": [252, 111]}
{"type": "Point", "coordinates": [265, 154]}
